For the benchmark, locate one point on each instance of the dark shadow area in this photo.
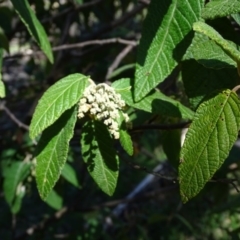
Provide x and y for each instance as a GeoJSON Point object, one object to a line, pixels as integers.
{"type": "Point", "coordinates": [105, 146]}
{"type": "Point", "coordinates": [165, 108]}
{"type": "Point", "coordinates": [150, 27]}
{"type": "Point", "coordinates": [200, 81]}
{"type": "Point", "coordinates": [98, 141]}
{"type": "Point", "coordinates": [182, 46]}
{"type": "Point", "coordinates": [88, 132]}
{"type": "Point", "coordinates": [53, 130]}
{"type": "Point", "coordinates": [215, 63]}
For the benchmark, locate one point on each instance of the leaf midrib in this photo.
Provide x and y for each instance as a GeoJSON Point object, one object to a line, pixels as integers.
{"type": "Point", "coordinates": [191, 174]}
{"type": "Point", "coordinates": [43, 115]}
{"type": "Point", "coordinates": [161, 46]}
{"type": "Point", "coordinates": [49, 162]}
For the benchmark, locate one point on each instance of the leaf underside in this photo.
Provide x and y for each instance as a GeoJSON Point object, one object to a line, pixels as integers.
{"type": "Point", "coordinates": [209, 139]}
{"type": "Point", "coordinates": [16, 173]}
{"type": "Point", "coordinates": [155, 102]}
{"type": "Point", "coordinates": [34, 27]}
{"type": "Point", "coordinates": [165, 38]}
{"type": "Point", "coordinates": [100, 156]}
{"type": "Point", "coordinates": [229, 47]}
{"type": "Point", "coordinates": [126, 141]}
{"type": "Point", "coordinates": [69, 173]}
{"type": "Point", "coordinates": [56, 100]}
{"type": "Point", "coordinates": [220, 8]}
{"type": "Point", "coordinates": [52, 151]}
{"type": "Point", "coordinates": [208, 53]}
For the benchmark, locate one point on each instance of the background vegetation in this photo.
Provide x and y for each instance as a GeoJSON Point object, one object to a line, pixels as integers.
{"type": "Point", "coordinates": [99, 38]}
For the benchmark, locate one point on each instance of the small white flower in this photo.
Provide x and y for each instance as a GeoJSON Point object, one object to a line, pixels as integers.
{"type": "Point", "coordinates": [80, 115]}
{"type": "Point", "coordinates": [83, 100]}
{"type": "Point", "coordinates": [91, 98]}
{"type": "Point", "coordinates": [93, 111]}
{"type": "Point", "coordinates": [103, 103]}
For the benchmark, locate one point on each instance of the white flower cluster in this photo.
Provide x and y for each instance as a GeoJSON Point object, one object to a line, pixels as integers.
{"type": "Point", "coordinates": [103, 103]}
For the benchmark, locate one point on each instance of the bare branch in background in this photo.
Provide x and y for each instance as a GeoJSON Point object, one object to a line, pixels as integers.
{"type": "Point", "coordinates": [95, 42]}
{"type": "Point", "coordinates": [76, 45]}
{"type": "Point", "coordinates": [118, 60]}
{"type": "Point", "coordinates": [12, 116]}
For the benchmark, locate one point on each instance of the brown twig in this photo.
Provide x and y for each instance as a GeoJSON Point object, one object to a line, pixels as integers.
{"type": "Point", "coordinates": [12, 116]}
{"type": "Point", "coordinates": [95, 42]}
{"type": "Point", "coordinates": [227, 181]}
{"type": "Point", "coordinates": [118, 60]}
{"type": "Point", "coordinates": [77, 45]}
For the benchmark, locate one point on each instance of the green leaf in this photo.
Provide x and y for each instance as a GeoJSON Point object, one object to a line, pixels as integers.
{"type": "Point", "coordinates": [3, 41]}
{"type": "Point", "coordinates": [34, 27]}
{"type": "Point", "coordinates": [208, 141]}
{"type": "Point", "coordinates": [56, 100]}
{"type": "Point", "coordinates": [236, 17]}
{"type": "Point", "coordinates": [15, 208]}
{"type": "Point", "coordinates": [54, 200]}
{"type": "Point", "coordinates": [229, 47]}
{"type": "Point", "coordinates": [100, 156]}
{"type": "Point", "coordinates": [220, 8]}
{"type": "Point", "coordinates": [2, 86]}
{"type": "Point", "coordinates": [124, 137]}
{"type": "Point", "coordinates": [208, 53]}
{"type": "Point", "coordinates": [121, 69]}
{"type": "Point", "coordinates": [126, 141]}
{"type": "Point", "coordinates": [154, 102]}
{"type": "Point", "coordinates": [52, 151]}
{"type": "Point", "coordinates": [70, 175]}
{"type": "Point", "coordinates": [165, 38]}
{"type": "Point", "coordinates": [14, 175]}
{"type": "Point", "coordinates": [200, 81]}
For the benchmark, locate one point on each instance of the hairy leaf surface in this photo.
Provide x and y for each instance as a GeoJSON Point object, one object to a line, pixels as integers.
{"type": "Point", "coordinates": [126, 141]}
{"type": "Point", "coordinates": [220, 8]}
{"type": "Point", "coordinates": [165, 38]}
{"type": "Point", "coordinates": [154, 102]}
{"type": "Point", "coordinates": [208, 53]}
{"type": "Point", "coordinates": [52, 151]}
{"type": "Point", "coordinates": [34, 27]}
{"type": "Point", "coordinates": [229, 47]}
{"type": "Point", "coordinates": [56, 100]}
{"type": "Point", "coordinates": [209, 139]}
{"type": "Point", "coordinates": [100, 156]}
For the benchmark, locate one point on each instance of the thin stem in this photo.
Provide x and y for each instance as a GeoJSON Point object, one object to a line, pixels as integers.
{"type": "Point", "coordinates": [13, 118]}
{"type": "Point", "coordinates": [76, 45]}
